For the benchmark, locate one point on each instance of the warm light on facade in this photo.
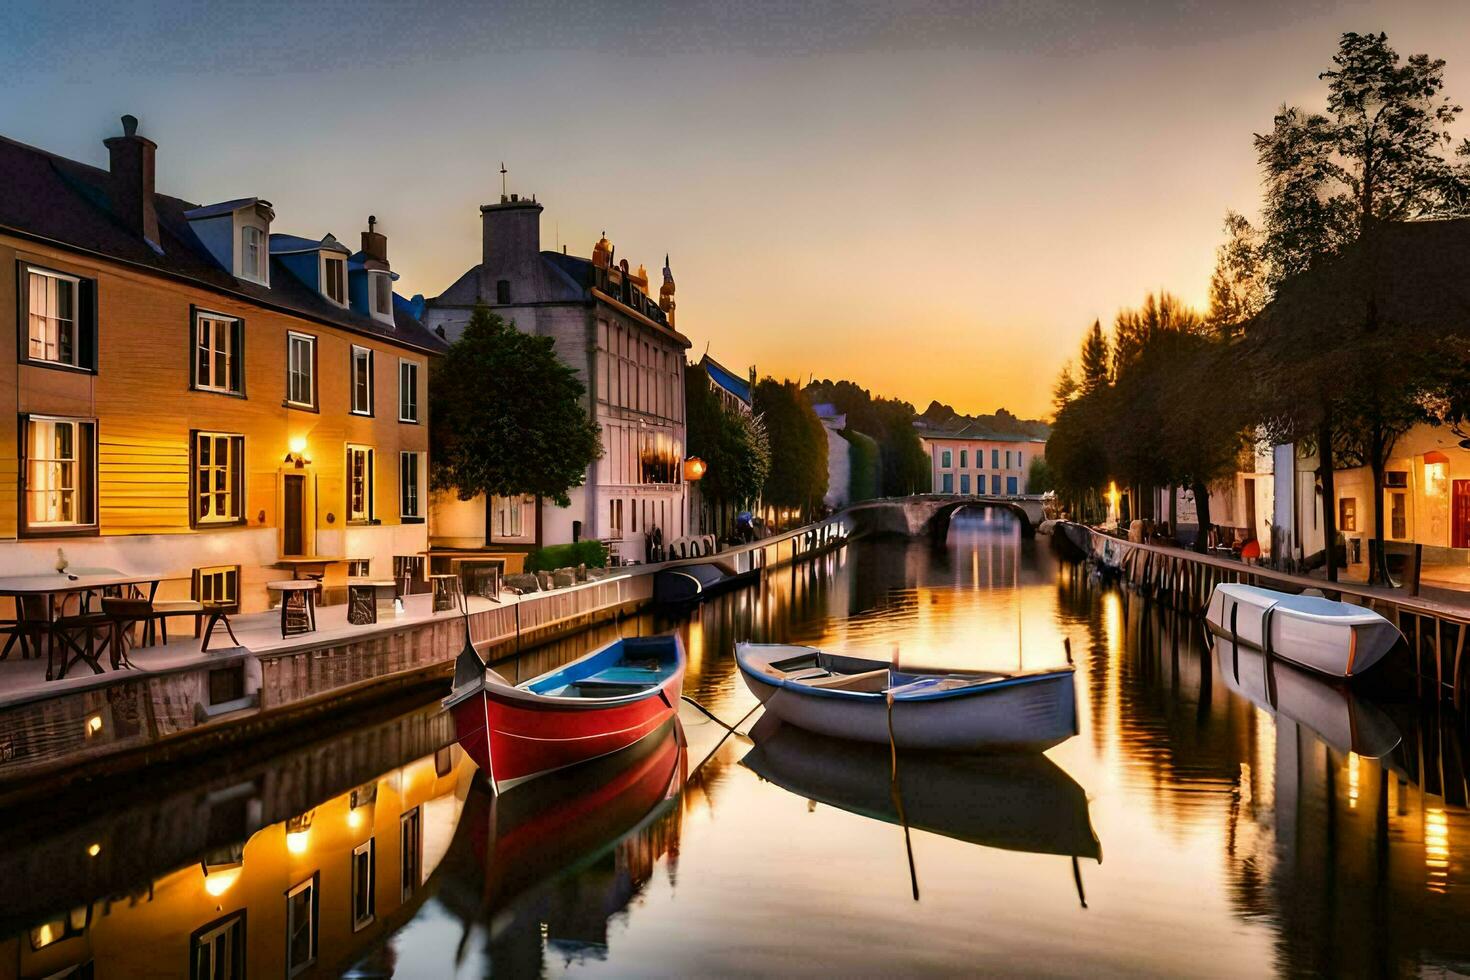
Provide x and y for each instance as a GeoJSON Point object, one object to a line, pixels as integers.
{"type": "Point", "coordinates": [93, 725]}
{"type": "Point", "coordinates": [1436, 849]}
{"type": "Point", "coordinates": [1436, 478]}
{"type": "Point", "coordinates": [297, 841]}
{"type": "Point", "coordinates": [94, 849]}
{"type": "Point", "coordinates": [297, 445]}
{"type": "Point", "coordinates": [216, 883]}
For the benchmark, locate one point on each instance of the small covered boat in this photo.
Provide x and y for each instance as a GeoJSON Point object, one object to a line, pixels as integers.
{"type": "Point", "coordinates": [693, 583]}
{"type": "Point", "coordinates": [595, 705]}
{"type": "Point", "coordinates": [873, 701]}
{"type": "Point", "coordinates": [1333, 638]}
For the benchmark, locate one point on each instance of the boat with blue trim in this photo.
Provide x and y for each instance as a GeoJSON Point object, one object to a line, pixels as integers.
{"type": "Point", "coordinates": [874, 701]}
{"type": "Point", "coordinates": [596, 705]}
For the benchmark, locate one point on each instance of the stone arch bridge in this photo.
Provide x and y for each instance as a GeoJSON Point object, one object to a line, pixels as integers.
{"type": "Point", "coordinates": [929, 514]}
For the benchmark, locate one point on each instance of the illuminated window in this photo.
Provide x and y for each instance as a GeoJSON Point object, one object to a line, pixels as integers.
{"type": "Point", "coordinates": [364, 868]}
{"type": "Point", "coordinates": [301, 929]}
{"type": "Point", "coordinates": [218, 583]}
{"type": "Point", "coordinates": [58, 473]}
{"type": "Point", "coordinates": [1347, 514]}
{"type": "Point", "coordinates": [51, 305]}
{"type": "Point", "coordinates": [217, 363]}
{"type": "Point", "coordinates": [219, 477]}
{"type": "Point", "coordinates": [359, 484]}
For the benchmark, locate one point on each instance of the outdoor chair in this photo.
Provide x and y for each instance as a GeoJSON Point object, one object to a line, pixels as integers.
{"type": "Point", "coordinates": [76, 638]}
{"type": "Point", "coordinates": [122, 615]}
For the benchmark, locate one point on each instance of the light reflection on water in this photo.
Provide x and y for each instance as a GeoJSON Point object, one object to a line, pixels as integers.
{"type": "Point", "coordinates": [1244, 818]}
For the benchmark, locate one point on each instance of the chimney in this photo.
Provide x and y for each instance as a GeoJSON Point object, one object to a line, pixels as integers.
{"type": "Point", "coordinates": [375, 243]}
{"type": "Point", "coordinates": [130, 159]}
{"type": "Point", "coordinates": [511, 238]}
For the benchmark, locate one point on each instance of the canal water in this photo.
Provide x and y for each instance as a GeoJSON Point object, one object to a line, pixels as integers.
{"type": "Point", "coordinates": [1212, 817]}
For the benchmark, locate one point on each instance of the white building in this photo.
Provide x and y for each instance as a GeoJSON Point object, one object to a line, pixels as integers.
{"type": "Point", "coordinates": [624, 348]}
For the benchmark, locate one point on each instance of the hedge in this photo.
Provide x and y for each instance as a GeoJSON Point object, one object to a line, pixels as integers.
{"type": "Point", "coordinates": [589, 553]}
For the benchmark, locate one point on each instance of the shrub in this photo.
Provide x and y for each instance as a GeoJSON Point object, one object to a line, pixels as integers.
{"type": "Point", "coordinates": [590, 553]}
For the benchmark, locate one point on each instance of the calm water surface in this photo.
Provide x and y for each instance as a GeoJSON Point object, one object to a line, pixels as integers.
{"type": "Point", "coordinates": [1211, 817]}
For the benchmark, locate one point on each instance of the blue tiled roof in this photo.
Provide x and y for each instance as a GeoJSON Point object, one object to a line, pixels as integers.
{"type": "Point", "coordinates": [739, 387]}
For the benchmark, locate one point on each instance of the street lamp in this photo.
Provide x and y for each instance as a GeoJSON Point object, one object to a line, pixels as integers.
{"type": "Point", "coordinates": [694, 468]}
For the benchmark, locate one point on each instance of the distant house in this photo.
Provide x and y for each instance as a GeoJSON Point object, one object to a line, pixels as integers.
{"type": "Point", "coordinates": [622, 343]}
{"type": "Point", "coordinates": [968, 459]}
{"type": "Point", "coordinates": [195, 396]}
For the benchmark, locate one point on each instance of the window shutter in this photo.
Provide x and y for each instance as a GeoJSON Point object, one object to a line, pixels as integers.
{"type": "Point", "coordinates": [237, 361]}
{"type": "Point", "coordinates": [191, 349]}
{"type": "Point", "coordinates": [237, 455]}
{"type": "Point", "coordinates": [370, 474]}
{"type": "Point", "coordinates": [87, 323]}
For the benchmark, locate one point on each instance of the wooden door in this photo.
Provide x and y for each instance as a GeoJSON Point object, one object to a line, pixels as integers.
{"type": "Point", "coordinates": [293, 516]}
{"type": "Point", "coordinates": [1460, 515]}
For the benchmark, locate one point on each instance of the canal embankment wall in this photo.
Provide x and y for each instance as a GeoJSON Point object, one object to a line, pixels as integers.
{"type": "Point", "coordinates": [1435, 633]}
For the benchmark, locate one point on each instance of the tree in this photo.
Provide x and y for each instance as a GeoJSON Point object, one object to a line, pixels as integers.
{"type": "Point", "coordinates": [1064, 390]}
{"type": "Point", "coordinates": [1378, 154]}
{"type": "Point", "coordinates": [1039, 476]}
{"type": "Point", "coordinates": [798, 478]}
{"type": "Point", "coordinates": [1239, 286]}
{"type": "Point", "coordinates": [507, 416]}
{"type": "Point", "coordinates": [1095, 373]}
{"type": "Point", "coordinates": [903, 464]}
{"type": "Point", "coordinates": [732, 443]}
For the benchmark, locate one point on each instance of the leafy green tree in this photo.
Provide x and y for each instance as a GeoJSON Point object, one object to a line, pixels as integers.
{"type": "Point", "coordinates": [732, 443]}
{"type": "Point", "coordinates": [904, 466]}
{"type": "Point", "coordinates": [798, 478]}
{"type": "Point", "coordinates": [1239, 285]}
{"type": "Point", "coordinates": [1039, 476]}
{"type": "Point", "coordinates": [1379, 153]}
{"type": "Point", "coordinates": [507, 417]}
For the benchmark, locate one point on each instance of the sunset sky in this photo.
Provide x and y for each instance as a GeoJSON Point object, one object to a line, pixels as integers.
{"type": "Point", "coordinates": [930, 198]}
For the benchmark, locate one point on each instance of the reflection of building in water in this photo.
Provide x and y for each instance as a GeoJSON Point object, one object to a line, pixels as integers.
{"type": "Point", "coordinates": [302, 897]}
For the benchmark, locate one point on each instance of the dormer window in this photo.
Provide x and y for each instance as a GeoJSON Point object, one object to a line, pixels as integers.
{"type": "Point", "coordinates": [380, 293]}
{"type": "Point", "coordinates": [334, 279]}
{"type": "Point", "coordinates": [252, 253]}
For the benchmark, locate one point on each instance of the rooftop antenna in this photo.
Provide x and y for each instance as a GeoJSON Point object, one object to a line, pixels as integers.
{"type": "Point", "coordinates": [503, 172]}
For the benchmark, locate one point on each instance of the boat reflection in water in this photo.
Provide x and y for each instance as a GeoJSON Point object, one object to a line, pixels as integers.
{"type": "Point", "coordinates": [556, 857]}
{"type": "Point", "coordinates": [1342, 719]}
{"type": "Point", "coordinates": [295, 866]}
{"type": "Point", "coordinates": [1016, 802]}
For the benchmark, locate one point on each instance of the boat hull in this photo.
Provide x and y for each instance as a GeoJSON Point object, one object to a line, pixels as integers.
{"type": "Point", "coordinates": [1341, 642]}
{"type": "Point", "coordinates": [1028, 714]}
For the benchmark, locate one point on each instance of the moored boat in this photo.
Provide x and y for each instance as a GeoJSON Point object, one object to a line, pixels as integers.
{"type": "Point", "coordinates": [1333, 638]}
{"type": "Point", "coordinates": [874, 701]}
{"type": "Point", "coordinates": [595, 705]}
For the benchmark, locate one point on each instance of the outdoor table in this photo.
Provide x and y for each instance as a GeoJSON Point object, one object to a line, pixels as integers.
{"type": "Point", "coordinates": [47, 587]}
{"type": "Point", "coordinates": [365, 599]}
{"type": "Point", "coordinates": [298, 605]}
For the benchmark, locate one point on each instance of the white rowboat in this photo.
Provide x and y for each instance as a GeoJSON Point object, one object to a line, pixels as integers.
{"type": "Point", "coordinates": [872, 701]}
{"type": "Point", "coordinates": [1333, 638]}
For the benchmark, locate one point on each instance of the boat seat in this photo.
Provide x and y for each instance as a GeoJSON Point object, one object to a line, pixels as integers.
{"type": "Point", "coordinates": [946, 683]}
{"type": "Point", "coordinates": [806, 674]}
{"type": "Point", "coordinates": [593, 687]}
{"type": "Point", "coordinates": [868, 680]}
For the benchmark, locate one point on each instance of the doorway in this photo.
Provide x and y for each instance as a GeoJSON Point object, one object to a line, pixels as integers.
{"type": "Point", "coordinates": [293, 515]}
{"type": "Point", "coordinates": [1460, 515]}
{"type": "Point", "coordinates": [1250, 510]}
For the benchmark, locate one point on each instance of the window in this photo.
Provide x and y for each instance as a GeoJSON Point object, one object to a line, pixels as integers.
{"type": "Point", "coordinates": [410, 852]}
{"type": "Point", "coordinates": [615, 518]}
{"type": "Point", "coordinates": [995, 483]}
{"type": "Point", "coordinates": [217, 951]}
{"type": "Point", "coordinates": [508, 516]}
{"type": "Point", "coordinates": [1019, 464]}
{"type": "Point", "coordinates": [1011, 486]}
{"type": "Point", "coordinates": [1347, 514]}
{"type": "Point", "coordinates": [995, 463]}
{"type": "Point", "coordinates": [58, 473]}
{"type": "Point", "coordinates": [502, 291]}
{"type": "Point", "coordinates": [57, 311]}
{"type": "Point", "coordinates": [252, 254]}
{"type": "Point", "coordinates": [381, 291]}
{"type": "Point", "coordinates": [363, 874]}
{"type": "Point", "coordinates": [218, 360]}
{"type": "Point", "coordinates": [359, 567]}
{"type": "Point", "coordinates": [946, 459]}
{"type": "Point", "coordinates": [1398, 515]}
{"type": "Point", "coordinates": [301, 911]}
{"type": "Point", "coordinates": [359, 484]}
{"type": "Point", "coordinates": [1008, 459]}
{"type": "Point", "coordinates": [964, 483]}
{"type": "Point", "coordinates": [964, 458]}
{"type": "Point", "coordinates": [362, 381]}
{"type": "Point", "coordinates": [69, 926]}
{"type": "Point", "coordinates": [219, 477]}
{"type": "Point", "coordinates": [408, 487]}
{"type": "Point", "coordinates": [301, 370]}
{"type": "Point", "coordinates": [948, 483]}
{"type": "Point", "coordinates": [334, 279]}
{"type": "Point", "coordinates": [408, 391]}
{"type": "Point", "coordinates": [217, 583]}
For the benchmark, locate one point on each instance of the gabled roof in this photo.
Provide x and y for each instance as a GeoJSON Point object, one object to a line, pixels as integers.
{"type": "Point", "coordinates": [61, 202]}
{"type": "Point", "coordinates": [223, 207]}
{"type": "Point", "coordinates": [727, 379]}
{"type": "Point", "coordinates": [974, 431]}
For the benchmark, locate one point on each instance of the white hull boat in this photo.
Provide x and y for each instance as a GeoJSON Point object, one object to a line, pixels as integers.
{"type": "Point", "coordinates": [1333, 638]}
{"type": "Point", "coordinates": [872, 701]}
{"type": "Point", "coordinates": [1340, 718]}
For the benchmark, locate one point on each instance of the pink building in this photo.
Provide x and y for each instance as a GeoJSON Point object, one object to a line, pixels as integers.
{"type": "Point", "coordinates": [971, 460]}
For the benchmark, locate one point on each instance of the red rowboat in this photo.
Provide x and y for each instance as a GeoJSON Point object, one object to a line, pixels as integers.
{"type": "Point", "coordinates": [591, 707]}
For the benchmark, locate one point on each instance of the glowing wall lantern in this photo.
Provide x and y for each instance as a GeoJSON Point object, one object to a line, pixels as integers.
{"type": "Point", "coordinates": [694, 469]}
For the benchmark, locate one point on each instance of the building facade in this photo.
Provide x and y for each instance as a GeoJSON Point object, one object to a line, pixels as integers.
{"type": "Point", "coordinates": [970, 460]}
{"type": "Point", "coordinates": [623, 346]}
{"type": "Point", "coordinates": [194, 395]}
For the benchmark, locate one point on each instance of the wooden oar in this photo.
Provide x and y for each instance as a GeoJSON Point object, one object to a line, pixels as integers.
{"type": "Point", "coordinates": [893, 785]}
